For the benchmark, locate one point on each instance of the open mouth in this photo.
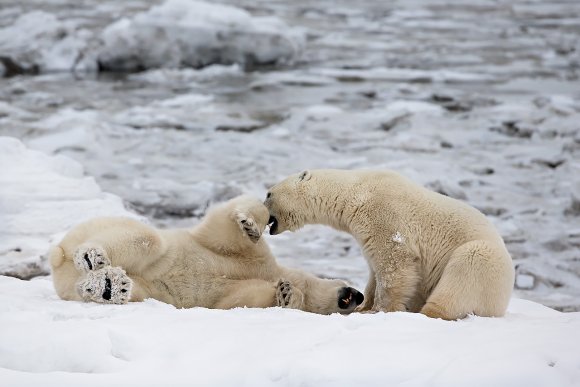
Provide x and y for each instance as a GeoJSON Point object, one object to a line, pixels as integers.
{"type": "Point", "coordinates": [273, 223]}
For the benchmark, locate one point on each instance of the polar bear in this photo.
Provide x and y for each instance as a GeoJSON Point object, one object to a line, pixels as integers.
{"type": "Point", "coordinates": [221, 263]}
{"type": "Point", "coordinates": [426, 252]}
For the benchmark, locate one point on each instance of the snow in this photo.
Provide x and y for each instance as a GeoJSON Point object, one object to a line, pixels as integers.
{"type": "Point", "coordinates": [398, 237]}
{"type": "Point", "coordinates": [473, 99]}
{"type": "Point", "coordinates": [47, 341]}
{"type": "Point", "coordinates": [42, 197]}
{"type": "Point", "coordinates": [525, 281]}
{"type": "Point", "coordinates": [38, 42]}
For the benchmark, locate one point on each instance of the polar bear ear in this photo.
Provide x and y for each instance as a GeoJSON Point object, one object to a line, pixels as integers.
{"type": "Point", "coordinates": [304, 176]}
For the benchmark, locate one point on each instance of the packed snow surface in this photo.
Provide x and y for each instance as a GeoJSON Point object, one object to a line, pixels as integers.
{"type": "Point", "coordinates": [50, 342]}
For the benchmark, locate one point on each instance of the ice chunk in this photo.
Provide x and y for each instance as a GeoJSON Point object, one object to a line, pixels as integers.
{"type": "Point", "coordinates": [38, 42]}
{"type": "Point", "coordinates": [181, 33]}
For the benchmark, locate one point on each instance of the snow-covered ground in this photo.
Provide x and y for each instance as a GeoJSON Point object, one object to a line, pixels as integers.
{"type": "Point", "coordinates": [49, 342]}
{"type": "Point", "coordinates": [477, 100]}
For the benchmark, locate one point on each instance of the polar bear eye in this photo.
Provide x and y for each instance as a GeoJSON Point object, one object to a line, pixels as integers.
{"type": "Point", "coordinates": [268, 195]}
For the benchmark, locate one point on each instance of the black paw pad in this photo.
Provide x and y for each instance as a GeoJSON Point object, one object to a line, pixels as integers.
{"type": "Point", "coordinates": [88, 261]}
{"type": "Point", "coordinates": [107, 292]}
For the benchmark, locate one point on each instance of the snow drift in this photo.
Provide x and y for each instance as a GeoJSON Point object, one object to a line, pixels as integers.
{"type": "Point", "coordinates": [42, 197]}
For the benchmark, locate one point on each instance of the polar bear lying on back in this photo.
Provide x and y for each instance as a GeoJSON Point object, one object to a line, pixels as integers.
{"type": "Point", "coordinates": [426, 252]}
{"type": "Point", "coordinates": [221, 263]}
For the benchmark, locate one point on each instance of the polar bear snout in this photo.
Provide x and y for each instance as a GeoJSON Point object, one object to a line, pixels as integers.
{"type": "Point", "coordinates": [349, 298]}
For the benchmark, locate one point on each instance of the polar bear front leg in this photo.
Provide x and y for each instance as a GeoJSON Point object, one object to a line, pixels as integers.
{"type": "Point", "coordinates": [288, 296]}
{"type": "Point", "coordinates": [396, 282]}
{"type": "Point", "coordinates": [109, 285]}
{"type": "Point", "coordinates": [248, 226]}
{"type": "Point", "coordinates": [370, 291]}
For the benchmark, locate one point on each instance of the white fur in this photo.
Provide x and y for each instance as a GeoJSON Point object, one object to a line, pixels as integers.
{"type": "Point", "coordinates": [221, 263]}
{"type": "Point", "coordinates": [426, 252]}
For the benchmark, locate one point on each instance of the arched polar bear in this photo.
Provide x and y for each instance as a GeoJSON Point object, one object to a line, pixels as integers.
{"type": "Point", "coordinates": [426, 252]}
{"type": "Point", "coordinates": [221, 263]}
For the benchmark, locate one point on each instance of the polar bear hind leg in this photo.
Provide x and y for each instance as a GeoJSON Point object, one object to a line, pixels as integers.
{"type": "Point", "coordinates": [108, 285]}
{"type": "Point", "coordinates": [250, 293]}
{"type": "Point", "coordinates": [288, 296]}
{"type": "Point", "coordinates": [255, 293]}
{"type": "Point", "coordinates": [478, 279]}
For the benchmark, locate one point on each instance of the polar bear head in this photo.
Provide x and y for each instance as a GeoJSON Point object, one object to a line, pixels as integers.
{"type": "Point", "coordinates": [289, 203]}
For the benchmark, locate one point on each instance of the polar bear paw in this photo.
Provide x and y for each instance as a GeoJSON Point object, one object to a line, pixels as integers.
{"type": "Point", "coordinates": [249, 226]}
{"type": "Point", "coordinates": [288, 296]}
{"type": "Point", "coordinates": [90, 258]}
{"type": "Point", "coordinates": [109, 285]}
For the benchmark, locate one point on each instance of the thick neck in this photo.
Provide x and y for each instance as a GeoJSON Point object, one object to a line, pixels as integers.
{"type": "Point", "coordinates": [333, 208]}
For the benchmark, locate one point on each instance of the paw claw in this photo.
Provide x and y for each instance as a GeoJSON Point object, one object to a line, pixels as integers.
{"type": "Point", "coordinates": [248, 226]}
{"type": "Point", "coordinates": [283, 293]}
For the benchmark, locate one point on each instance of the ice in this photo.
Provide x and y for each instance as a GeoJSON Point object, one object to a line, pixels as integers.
{"type": "Point", "coordinates": [181, 33]}
{"type": "Point", "coordinates": [48, 341]}
{"type": "Point", "coordinates": [181, 77]}
{"type": "Point", "coordinates": [176, 33]}
{"type": "Point", "coordinates": [525, 281]}
{"type": "Point", "coordinates": [409, 75]}
{"type": "Point", "coordinates": [39, 42]}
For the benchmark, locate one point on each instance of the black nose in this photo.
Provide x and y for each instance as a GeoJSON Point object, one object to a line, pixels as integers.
{"type": "Point", "coordinates": [349, 298]}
